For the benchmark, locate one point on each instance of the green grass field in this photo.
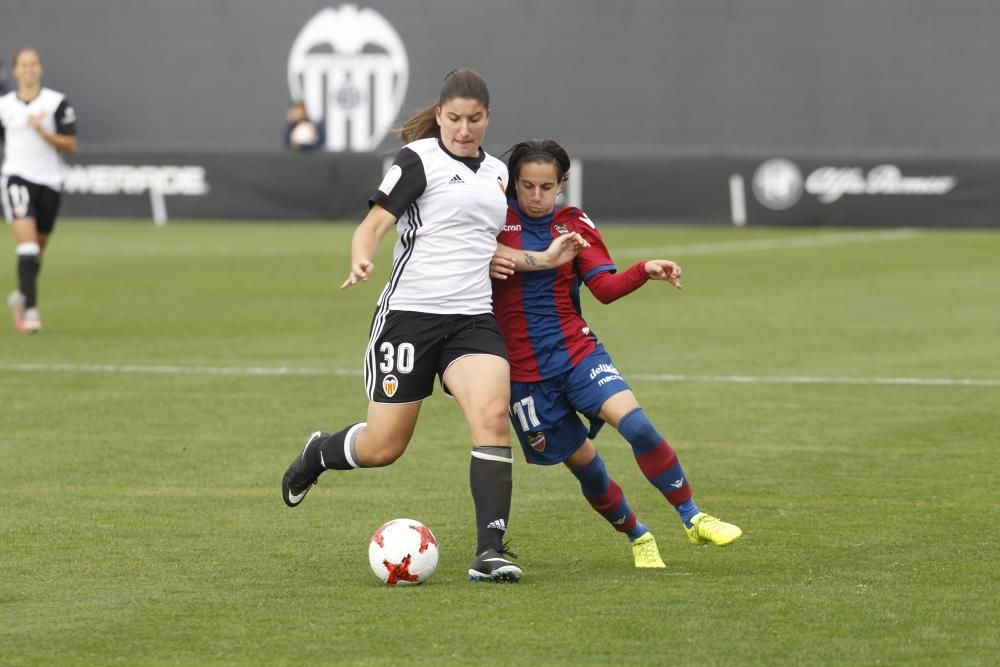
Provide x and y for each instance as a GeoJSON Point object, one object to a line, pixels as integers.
{"type": "Point", "coordinates": [834, 392]}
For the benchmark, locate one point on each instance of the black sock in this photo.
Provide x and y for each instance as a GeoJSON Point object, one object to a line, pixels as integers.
{"type": "Point", "coordinates": [27, 277]}
{"type": "Point", "coordinates": [491, 480]}
{"type": "Point", "coordinates": [331, 454]}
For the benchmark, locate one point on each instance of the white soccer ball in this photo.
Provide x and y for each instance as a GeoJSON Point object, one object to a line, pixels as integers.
{"type": "Point", "coordinates": [305, 133]}
{"type": "Point", "coordinates": [403, 552]}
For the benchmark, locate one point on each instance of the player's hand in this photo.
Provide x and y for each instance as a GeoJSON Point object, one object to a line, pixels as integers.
{"type": "Point", "coordinates": [35, 120]}
{"type": "Point", "coordinates": [564, 248]}
{"type": "Point", "coordinates": [501, 267]}
{"type": "Point", "coordinates": [664, 269]}
{"type": "Point", "coordinates": [360, 271]}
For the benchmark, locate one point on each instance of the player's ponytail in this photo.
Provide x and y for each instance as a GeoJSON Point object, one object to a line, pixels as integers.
{"type": "Point", "coordinates": [542, 151]}
{"type": "Point", "coordinates": [421, 125]}
{"type": "Point", "coordinates": [458, 83]}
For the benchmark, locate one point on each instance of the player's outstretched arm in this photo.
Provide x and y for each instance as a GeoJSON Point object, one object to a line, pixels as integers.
{"type": "Point", "coordinates": [608, 287]}
{"type": "Point", "coordinates": [507, 260]}
{"type": "Point", "coordinates": [365, 242]}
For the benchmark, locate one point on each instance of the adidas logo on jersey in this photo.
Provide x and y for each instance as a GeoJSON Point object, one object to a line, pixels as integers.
{"type": "Point", "coordinates": [455, 179]}
{"type": "Point", "coordinates": [499, 524]}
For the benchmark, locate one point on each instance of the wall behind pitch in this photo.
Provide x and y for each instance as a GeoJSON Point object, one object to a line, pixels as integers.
{"type": "Point", "coordinates": [633, 76]}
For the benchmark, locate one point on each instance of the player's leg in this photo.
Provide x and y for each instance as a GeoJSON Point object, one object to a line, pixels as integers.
{"type": "Point", "coordinates": [375, 443]}
{"type": "Point", "coordinates": [25, 301]}
{"type": "Point", "coordinates": [608, 500]}
{"type": "Point", "coordinates": [45, 204]}
{"type": "Point", "coordinates": [16, 196]}
{"type": "Point", "coordinates": [475, 372]}
{"type": "Point", "coordinates": [401, 363]}
{"type": "Point", "coordinates": [661, 466]}
{"type": "Point", "coordinates": [481, 384]}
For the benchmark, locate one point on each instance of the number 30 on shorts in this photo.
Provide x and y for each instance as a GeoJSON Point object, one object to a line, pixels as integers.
{"type": "Point", "coordinates": [396, 357]}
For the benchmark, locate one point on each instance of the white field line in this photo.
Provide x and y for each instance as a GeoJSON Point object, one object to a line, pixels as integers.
{"type": "Point", "coordinates": [819, 379]}
{"type": "Point", "coordinates": [171, 370]}
{"type": "Point", "coordinates": [811, 241]}
{"type": "Point", "coordinates": [664, 377]}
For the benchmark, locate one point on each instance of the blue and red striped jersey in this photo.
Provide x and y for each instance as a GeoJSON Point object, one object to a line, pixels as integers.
{"type": "Point", "coordinates": [539, 311]}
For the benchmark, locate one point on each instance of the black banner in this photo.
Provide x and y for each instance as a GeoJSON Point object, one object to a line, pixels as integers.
{"type": "Point", "coordinates": [765, 190]}
{"type": "Point", "coordinates": [267, 186]}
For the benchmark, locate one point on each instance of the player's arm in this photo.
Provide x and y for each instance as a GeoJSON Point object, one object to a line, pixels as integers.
{"type": "Point", "coordinates": [64, 143]}
{"type": "Point", "coordinates": [608, 286]}
{"type": "Point", "coordinates": [365, 242]}
{"type": "Point", "coordinates": [507, 260]}
{"type": "Point", "coordinates": [596, 268]}
{"type": "Point", "coordinates": [64, 138]}
{"type": "Point", "coordinates": [402, 184]}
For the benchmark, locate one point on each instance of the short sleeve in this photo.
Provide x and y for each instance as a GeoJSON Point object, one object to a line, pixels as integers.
{"type": "Point", "coordinates": [596, 258]}
{"type": "Point", "coordinates": [65, 118]}
{"type": "Point", "coordinates": [402, 185]}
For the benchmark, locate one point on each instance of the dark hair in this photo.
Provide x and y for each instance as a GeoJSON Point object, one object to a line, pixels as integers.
{"type": "Point", "coordinates": [17, 54]}
{"type": "Point", "coordinates": [541, 151]}
{"type": "Point", "coordinates": [464, 83]}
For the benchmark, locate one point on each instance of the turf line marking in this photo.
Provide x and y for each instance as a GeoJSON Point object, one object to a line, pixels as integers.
{"type": "Point", "coordinates": [819, 379]}
{"type": "Point", "coordinates": [811, 241]}
{"type": "Point", "coordinates": [173, 370]}
{"type": "Point", "coordinates": [350, 372]}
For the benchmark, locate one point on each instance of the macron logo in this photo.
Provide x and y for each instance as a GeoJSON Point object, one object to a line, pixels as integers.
{"type": "Point", "coordinates": [455, 179]}
{"type": "Point", "coordinates": [499, 524]}
{"type": "Point", "coordinates": [678, 484]}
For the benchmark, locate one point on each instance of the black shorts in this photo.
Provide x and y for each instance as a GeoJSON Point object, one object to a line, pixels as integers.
{"type": "Point", "coordinates": [407, 350]}
{"type": "Point", "coordinates": [24, 199]}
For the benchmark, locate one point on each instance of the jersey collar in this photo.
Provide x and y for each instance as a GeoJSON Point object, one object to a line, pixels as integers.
{"type": "Point", "coordinates": [24, 101]}
{"type": "Point", "coordinates": [472, 163]}
{"type": "Point", "coordinates": [544, 220]}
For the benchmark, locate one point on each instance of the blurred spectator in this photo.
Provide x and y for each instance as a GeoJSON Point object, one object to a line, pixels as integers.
{"type": "Point", "coordinates": [301, 133]}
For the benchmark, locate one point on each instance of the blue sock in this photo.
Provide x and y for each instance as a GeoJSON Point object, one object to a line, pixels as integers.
{"type": "Point", "coordinates": [637, 531]}
{"type": "Point", "coordinates": [687, 510]}
{"type": "Point", "coordinates": [608, 499]}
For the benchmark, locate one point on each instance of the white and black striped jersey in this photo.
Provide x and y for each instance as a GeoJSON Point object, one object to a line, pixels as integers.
{"type": "Point", "coordinates": [26, 153]}
{"type": "Point", "coordinates": [449, 211]}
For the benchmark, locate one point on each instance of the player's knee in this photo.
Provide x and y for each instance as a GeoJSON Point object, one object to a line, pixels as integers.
{"type": "Point", "coordinates": [375, 452]}
{"type": "Point", "coordinates": [381, 457]}
{"type": "Point", "coordinates": [28, 249]}
{"type": "Point", "coordinates": [495, 419]}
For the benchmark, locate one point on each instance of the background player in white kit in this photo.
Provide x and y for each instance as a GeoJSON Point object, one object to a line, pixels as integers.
{"type": "Point", "coordinates": [37, 125]}
{"type": "Point", "coordinates": [445, 196]}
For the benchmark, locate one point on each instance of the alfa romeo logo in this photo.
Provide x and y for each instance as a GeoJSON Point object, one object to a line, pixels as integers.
{"type": "Point", "coordinates": [777, 184]}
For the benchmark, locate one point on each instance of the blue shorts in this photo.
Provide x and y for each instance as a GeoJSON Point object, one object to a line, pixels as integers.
{"type": "Point", "coordinates": [545, 414]}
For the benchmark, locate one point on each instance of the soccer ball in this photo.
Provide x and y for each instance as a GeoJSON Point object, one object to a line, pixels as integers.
{"type": "Point", "coordinates": [305, 133]}
{"type": "Point", "coordinates": [403, 552]}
